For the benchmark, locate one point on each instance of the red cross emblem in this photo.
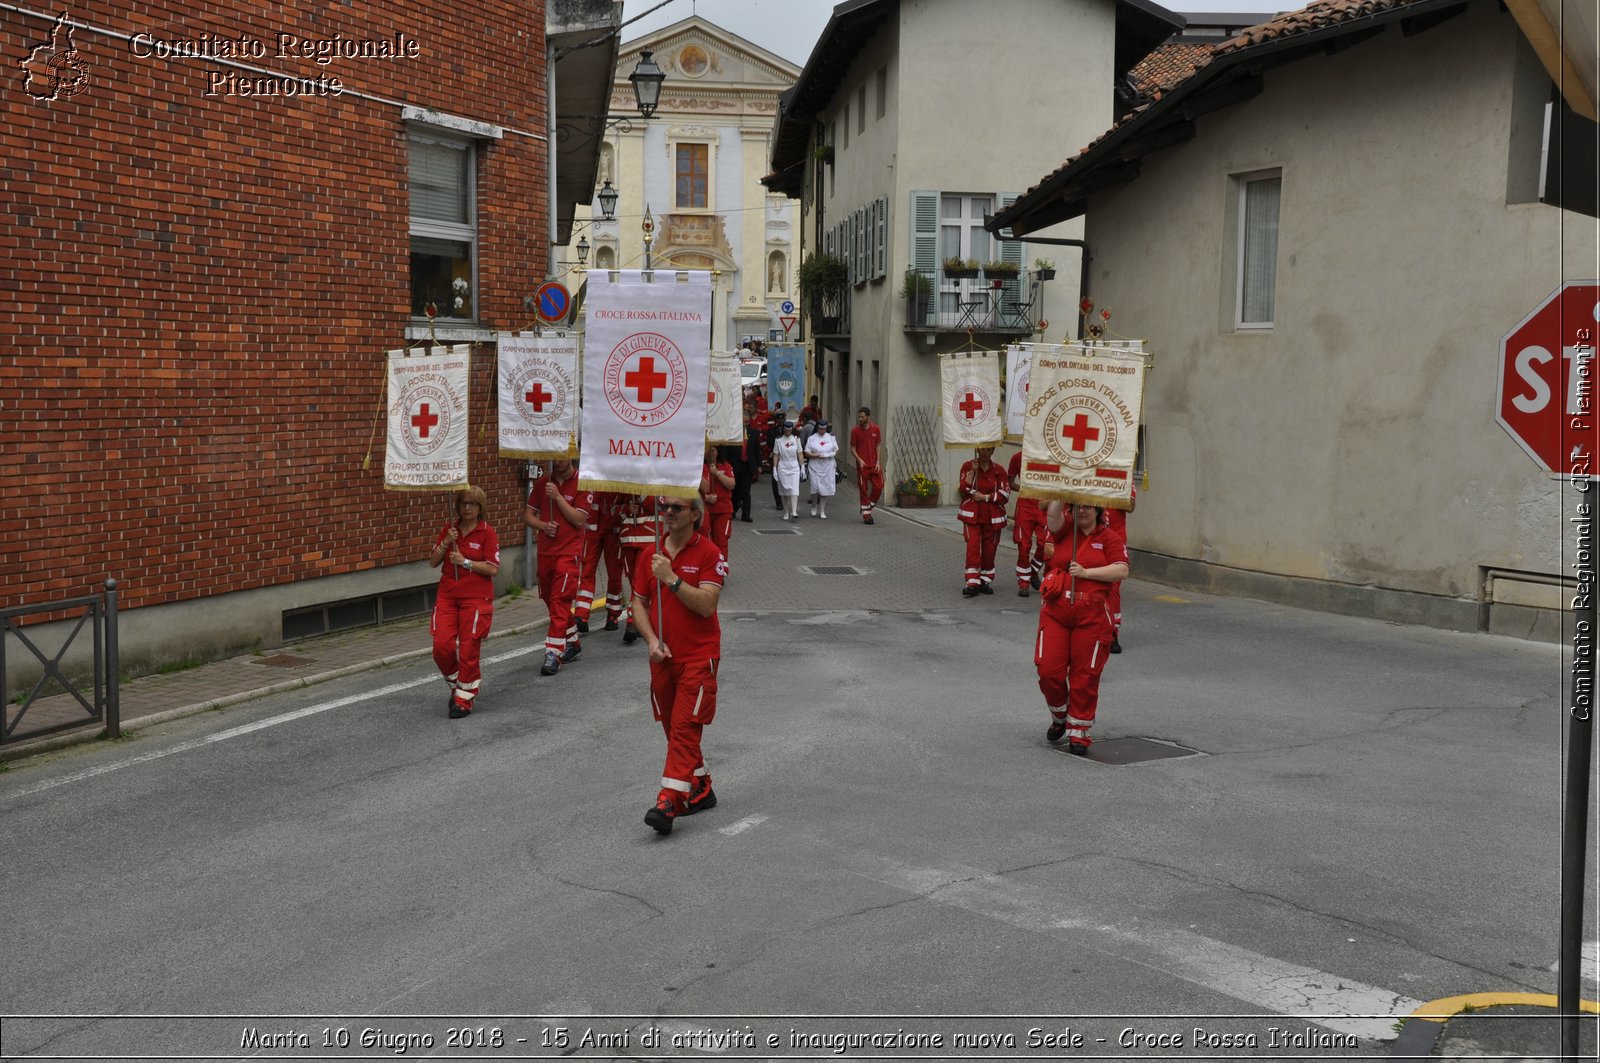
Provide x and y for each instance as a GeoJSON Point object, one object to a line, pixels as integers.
{"type": "Point", "coordinates": [646, 379]}
{"type": "Point", "coordinates": [1080, 433]}
{"type": "Point", "coordinates": [970, 406]}
{"type": "Point", "coordinates": [424, 420]}
{"type": "Point", "coordinates": [538, 396]}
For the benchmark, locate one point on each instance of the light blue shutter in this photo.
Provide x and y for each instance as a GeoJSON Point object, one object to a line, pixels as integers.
{"type": "Point", "coordinates": [1011, 251]}
{"type": "Point", "coordinates": [925, 231]}
{"type": "Point", "coordinates": [863, 246]}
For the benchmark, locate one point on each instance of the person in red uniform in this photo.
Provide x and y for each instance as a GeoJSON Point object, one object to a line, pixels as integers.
{"type": "Point", "coordinates": [1027, 531]}
{"type": "Point", "coordinates": [866, 440]}
{"type": "Point", "coordinates": [716, 491]}
{"type": "Point", "coordinates": [1087, 559]}
{"type": "Point", "coordinates": [463, 609]}
{"type": "Point", "coordinates": [638, 528]}
{"type": "Point", "coordinates": [675, 609]}
{"type": "Point", "coordinates": [984, 490]}
{"type": "Point", "coordinates": [602, 541]}
{"type": "Point", "coordinates": [557, 512]}
{"type": "Point", "coordinates": [1118, 519]}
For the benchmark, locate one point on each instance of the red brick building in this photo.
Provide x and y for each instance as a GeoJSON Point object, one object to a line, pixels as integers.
{"type": "Point", "coordinates": [218, 218]}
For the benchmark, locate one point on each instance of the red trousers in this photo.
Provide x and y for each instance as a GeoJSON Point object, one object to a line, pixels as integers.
{"type": "Point", "coordinates": [459, 626]}
{"type": "Point", "coordinates": [558, 589]}
{"type": "Point", "coordinates": [1070, 653]}
{"type": "Point", "coordinates": [720, 527]}
{"type": "Point", "coordinates": [630, 561]}
{"type": "Point", "coordinates": [870, 487]}
{"type": "Point", "coordinates": [598, 546]}
{"type": "Point", "coordinates": [1028, 532]}
{"type": "Point", "coordinates": [982, 540]}
{"type": "Point", "coordinates": [683, 696]}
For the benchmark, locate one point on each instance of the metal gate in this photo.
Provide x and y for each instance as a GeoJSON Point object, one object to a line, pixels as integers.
{"type": "Point", "coordinates": [34, 715]}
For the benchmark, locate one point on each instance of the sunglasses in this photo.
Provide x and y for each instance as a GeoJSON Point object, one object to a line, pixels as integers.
{"type": "Point", "coordinates": [673, 507]}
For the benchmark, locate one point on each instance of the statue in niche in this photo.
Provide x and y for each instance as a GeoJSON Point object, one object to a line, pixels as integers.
{"type": "Point", "coordinates": [775, 274]}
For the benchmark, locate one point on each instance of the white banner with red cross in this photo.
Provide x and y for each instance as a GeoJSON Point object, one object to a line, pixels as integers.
{"type": "Point", "coordinates": [1081, 433]}
{"type": "Point", "coordinates": [1019, 361]}
{"type": "Point", "coordinates": [725, 400]}
{"type": "Point", "coordinates": [969, 388]}
{"type": "Point", "coordinates": [646, 375]}
{"type": "Point", "coordinates": [427, 439]}
{"type": "Point", "coordinates": [538, 396]}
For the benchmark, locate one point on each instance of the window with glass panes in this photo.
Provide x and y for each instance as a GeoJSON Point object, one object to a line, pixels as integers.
{"type": "Point", "coordinates": [1258, 250]}
{"type": "Point", "coordinates": [962, 235]}
{"type": "Point", "coordinates": [693, 174]}
{"type": "Point", "coordinates": [444, 227]}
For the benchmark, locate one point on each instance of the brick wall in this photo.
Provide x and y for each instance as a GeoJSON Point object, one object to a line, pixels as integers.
{"type": "Point", "coordinates": [199, 290]}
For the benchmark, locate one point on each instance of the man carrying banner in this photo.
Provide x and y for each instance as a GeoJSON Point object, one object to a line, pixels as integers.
{"type": "Point", "coordinates": [1087, 560]}
{"type": "Point", "coordinates": [1027, 531]}
{"type": "Point", "coordinates": [866, 439]}
{"type": "Point", "coordinates": [984, 490]}
{"type": "Point", "coordinates": [682, 583]}
{"type": "Point", "coordinates": [469, 551]}
{"type": "Point", "coordinates": [601, 541]}
{"type": "Point", "coordinates": [557, 512]}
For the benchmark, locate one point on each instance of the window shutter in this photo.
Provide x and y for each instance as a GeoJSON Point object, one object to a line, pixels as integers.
{"type": "Point", "coordinates": [439, 181]}
{"type": "Point", "coordinates": [863, 248]}
{"type": "Point", "coordinates": [1011, 251]}
{"type": "Point", "coordinates": [881, 239]}
{"type": "Point", "coordinates": [828, 240]}
{"type": "Point", "coordinates": [925, 231]}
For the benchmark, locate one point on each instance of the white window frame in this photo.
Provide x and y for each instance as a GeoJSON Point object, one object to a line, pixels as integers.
{"type": "Point", "coordinates": [1243, 182]}
{"type": "Point", "coordinates": [429, 228]}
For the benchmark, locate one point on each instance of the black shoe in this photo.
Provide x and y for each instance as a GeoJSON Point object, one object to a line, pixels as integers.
{"type": "Point", "coordinates": [1078, 749]}
{"type": "Point", "coordinates": [583, 627]}
{"type": "Point", "coordinates": [1022, 592]}
{"type": "Point", "coordinates": [552, 664]}
{"type": "Point", "coordinates": [630, 636]}
{"type": "Point", "coordinates": [611, 623]}
{"type": "Point", "coordinates": [1116, 647]}
{"type": "Point", "coordinates": [1034, 582]}
{"type": "Point", "coordinates": [661, 816]}
{"type": "Point", "coordinates": [868, 520]}
{"type": "Point", "coordinates": [969, 591]}
{"type": "Point", "coordinates": [573, 651]}
{"type": "Point", "coordinates": [984, 588]}
{"type": "Point", "coordinates": [701, 797]}
{"type": "Point", "coordinates": [746, 519]}
{"type": "Point", "coordinates": [458, 710]}
{"type": "Point", "coordinates": [1057, 729]}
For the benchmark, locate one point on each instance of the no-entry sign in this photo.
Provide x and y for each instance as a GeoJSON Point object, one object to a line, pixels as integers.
{"type": "Point", "coordinates": [1547, 395]}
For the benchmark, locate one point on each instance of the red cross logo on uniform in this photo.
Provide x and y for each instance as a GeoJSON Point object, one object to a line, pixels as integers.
{"type": "Point", "coordinates": [970, 406]}
{"type": "Point", "coordinates": [1080, 433]}
{"type": "Point", "coordinates": [538, 397]}
{"type": "Point", "coordinates": [645, 380]}
{"type": "Point", "coordinates": [424, 420]}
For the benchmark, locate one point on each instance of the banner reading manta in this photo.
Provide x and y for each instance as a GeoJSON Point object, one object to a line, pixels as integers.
{"type": "Point", "coordinates": [969, 388]}
{"type": "Point", "coordinates": [725, 413]}
{"type": "Point", "coordinates": [645, 380]}
{"type": "Point", "coordinates": [427, 444]}
{"type": "Point", "coordinates": [1081, 433]}
{"type": "Point", "coordinates": [538, 396]}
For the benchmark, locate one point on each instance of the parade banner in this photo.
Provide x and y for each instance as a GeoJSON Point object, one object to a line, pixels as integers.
{"type": "Point", "coordinates": [538, 396]}
{"type": "Point", "coordinates": [1081, 433]}
{"type": "Point", "coordinates": [725, 400]}
{"type": "Point", "coordinates": [646, 375]}
{"type": "Point", "coordinates": [1018, 366]}
{"type": "Point", "coordinates": [969, 388]}
{"type": "Point", "coordinates": [427, 437]}
{"type": "Point", "coordinates": [786, 377]}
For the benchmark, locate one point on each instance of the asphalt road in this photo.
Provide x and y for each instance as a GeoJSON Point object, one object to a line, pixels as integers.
{"type": "Point", "coordinates": [1371, 820]}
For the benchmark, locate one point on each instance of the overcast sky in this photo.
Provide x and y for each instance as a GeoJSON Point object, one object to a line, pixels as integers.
{"type": "Point", "coordinates": [791, 27]}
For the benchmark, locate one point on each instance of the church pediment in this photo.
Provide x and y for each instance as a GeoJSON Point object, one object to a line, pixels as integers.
{"type": "Point", "coordinates": [698, 56]}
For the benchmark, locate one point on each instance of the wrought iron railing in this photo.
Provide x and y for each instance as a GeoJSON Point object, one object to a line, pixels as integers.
{"type": "Point", "coordinates": [936, 301]}
{"type": "Point", "coordinates": [47, 713]}
{"type": "Point", "coordinates": [830, 313]}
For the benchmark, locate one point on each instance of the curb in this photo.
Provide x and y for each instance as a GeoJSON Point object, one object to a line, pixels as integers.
{"type": "Point", "coordinates": [1424, 1025]}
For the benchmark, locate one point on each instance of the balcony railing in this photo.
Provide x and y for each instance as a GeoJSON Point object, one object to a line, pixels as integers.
{"type": "Point", "coordinates": [935, 302]}
{"type": "Point", "coordinates": [830, 313]}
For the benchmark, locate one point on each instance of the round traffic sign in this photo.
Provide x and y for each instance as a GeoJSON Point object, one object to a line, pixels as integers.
{"type": "Point", "coordinates": [552, 302]}
{"type": "Point", "coordinates": [788, 306]}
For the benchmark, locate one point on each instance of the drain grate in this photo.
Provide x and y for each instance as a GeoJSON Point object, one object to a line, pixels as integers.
{"type": "Point", "coordinates": [283, 660]}
{"type": "Point", "coordinates": [831, 570]}
{"type": "Point", "coordinates": [777, 531]}
{"type": "Point", "coordinates": [1133, 751]}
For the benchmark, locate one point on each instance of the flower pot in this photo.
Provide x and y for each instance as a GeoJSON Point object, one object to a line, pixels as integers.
{"type": "Point", "coordinates": [960, 274]}
{"type": "Point", "coordinates": [1045, 274]}
{"type": "Point", "coordinates": [905, 501]}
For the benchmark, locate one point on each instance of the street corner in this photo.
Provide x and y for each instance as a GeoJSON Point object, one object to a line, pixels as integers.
{"type": "Point", "coordinates": [1522, 1026]}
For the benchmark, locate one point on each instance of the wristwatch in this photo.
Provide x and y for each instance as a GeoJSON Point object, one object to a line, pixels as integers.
{"type": "Point", "coordinates": [676, 584]}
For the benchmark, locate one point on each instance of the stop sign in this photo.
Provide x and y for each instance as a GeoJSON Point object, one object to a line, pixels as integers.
{"type": "Point", "coordinates": [1547, 395]}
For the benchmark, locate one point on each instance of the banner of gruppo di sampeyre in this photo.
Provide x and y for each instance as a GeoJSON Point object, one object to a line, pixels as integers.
{"type": "Point", "coordinates": [969, 390]}
{"type": "Point", "coordinates": [725, 398]}
{"type": "Point", "coordinates": [646, 372]}
{"type": "Point", "coordinates": [1081, 433]}
{"type": "Point", "coordinates": [538, 396]}
{"type": "Point", "coordinates": [426, 446]}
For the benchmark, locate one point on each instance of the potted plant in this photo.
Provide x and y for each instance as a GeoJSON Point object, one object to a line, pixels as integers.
{"type": "Point", "coordinates": [957, 267]}
{"type": "Point", "coordinates": [1045, 269]}
{"type": "Point", "coordinates": [1001, 270]}
{"type": "Point", "coordinates": [916, 490]}
{"type": "Point", "coordinates": [823, 153]}
{"type": "Point", "coordinates": [822, 273]}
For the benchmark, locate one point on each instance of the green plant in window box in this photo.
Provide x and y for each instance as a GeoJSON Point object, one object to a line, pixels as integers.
{"type": "Point", "coordinates": [956, 266]}
{"type": "Point", "coordinates": [1045, 269]}
{"type": "Point", "coordinates": [822, 273]}
{"type": "Point", "coordinates": [1001, 269]}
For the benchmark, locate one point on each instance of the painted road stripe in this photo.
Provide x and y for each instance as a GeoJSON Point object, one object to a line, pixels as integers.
{"type": "Point", "coordinates": [743, 825]}
{"type": "Point", "coordinates": [1329, 1000]}
{"type": "Point", "coordinates": [250, 728]}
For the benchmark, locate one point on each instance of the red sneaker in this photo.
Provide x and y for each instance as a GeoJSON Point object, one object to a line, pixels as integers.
{"type": "Point", "coordinates": [668, 807]}
{"type": "Point", "coordinates": [701, 797]}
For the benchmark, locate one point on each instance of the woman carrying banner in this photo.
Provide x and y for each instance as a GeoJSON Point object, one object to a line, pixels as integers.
{"type": "Point", "coordinates": [464, 606]}
{"type": "Point", "coordinates": [1087, 559]}
{"type": "Point", "coordinates": [787, 458]}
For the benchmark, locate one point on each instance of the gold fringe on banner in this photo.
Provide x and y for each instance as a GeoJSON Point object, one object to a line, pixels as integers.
{"type": "Point", "coordinates": [626, 487]}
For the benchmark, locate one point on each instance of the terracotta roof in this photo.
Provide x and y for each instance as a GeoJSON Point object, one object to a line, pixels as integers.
{"type": "Point", "coordinates": [1168, 65]}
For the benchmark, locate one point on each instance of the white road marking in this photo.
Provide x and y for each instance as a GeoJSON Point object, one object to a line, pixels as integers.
{"type": "Point", "coordinates": [1329, 1000]}
{"type": "Point", "coordinates": [1589, 968]}
{"type": "Point", "coordinates": [743, 825]}
{"type": "Point", "coordinates": [259, 725]}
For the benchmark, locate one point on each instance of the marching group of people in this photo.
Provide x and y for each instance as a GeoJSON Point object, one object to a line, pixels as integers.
{"type": "Point", "coordinates": [675, 551]}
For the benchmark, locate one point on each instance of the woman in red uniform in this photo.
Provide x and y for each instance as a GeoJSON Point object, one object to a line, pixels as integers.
{"type": "Point", "coordinates": [464, 605]}
{"type": "Point", "coordinates": [1087, 559]}
{"type": "Point", "coordinates": [984, 490]}
{"type": "Point", "coordinates": [716, 491]}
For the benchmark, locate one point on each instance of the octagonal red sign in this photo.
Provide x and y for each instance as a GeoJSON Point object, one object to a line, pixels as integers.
{"type": "Point", "coordinates": [1546, 398]}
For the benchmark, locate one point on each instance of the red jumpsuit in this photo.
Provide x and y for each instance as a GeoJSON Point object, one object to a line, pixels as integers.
{"type": "Point", "coordinates": [601, 541]}
{"type": "Point", "coordinates": [866, 443]}
{"type": "Point", "coordinates": [983, 512]}
{"type": "Point", "coordinates": [637, 526]}
{"type": "Point", "coordinates": [558, 558]}
{"type": "Point", "coordinates": [1118, 521]}
{"type": "Point", "coordinates": [1027, 530]}
{"type": "Point", "coordinates": [1075, 628]}
{"type": "Point", "coordinates": [463, 610]}
{"type": "Point", "coordinates": [719, 505]}
{"type": "Point", "coordinates": [683, 688]}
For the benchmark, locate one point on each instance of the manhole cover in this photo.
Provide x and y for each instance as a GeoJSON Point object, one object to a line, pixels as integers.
{"type": "Point", "coordinates": [1132, 751]}
{"type": "Point", "coordinates": [283, 660]}
{"type": "Point", "coordinates": [831, 570]}
{"type": "Point", "coordinates": [777, 531]}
